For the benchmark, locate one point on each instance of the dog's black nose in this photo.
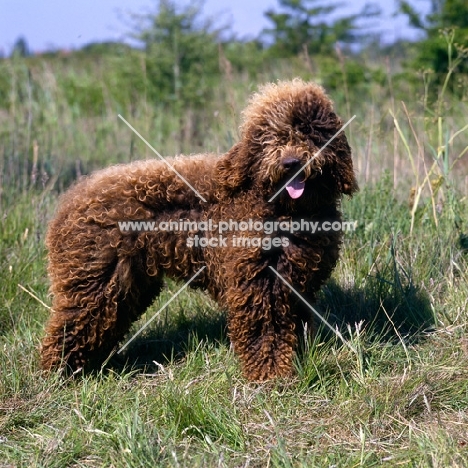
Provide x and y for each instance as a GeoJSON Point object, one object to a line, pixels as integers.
{"type": "Point", "coordinates": [291, 163]}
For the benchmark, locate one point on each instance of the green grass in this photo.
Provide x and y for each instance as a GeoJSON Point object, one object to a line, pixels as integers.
{"type": "Point", "coordinates": [399, 397]}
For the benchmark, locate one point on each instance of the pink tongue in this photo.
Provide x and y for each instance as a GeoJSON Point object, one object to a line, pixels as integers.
{"type": "Point", "coordinates": [295, 188]}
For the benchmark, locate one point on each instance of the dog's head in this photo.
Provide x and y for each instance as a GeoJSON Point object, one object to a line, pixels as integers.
{"type": "Point", "coordinates": [282, 150]}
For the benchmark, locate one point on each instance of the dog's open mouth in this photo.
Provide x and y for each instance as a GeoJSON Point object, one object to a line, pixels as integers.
{"type": "Point", "coordinates": [295, 188]}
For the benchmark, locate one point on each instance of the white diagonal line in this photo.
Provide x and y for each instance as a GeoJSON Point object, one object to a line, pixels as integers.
{"type": "Point", "coordinates": [315, 155]}
{"type": "Point", "coordinates": [161, 309]}
{"type": "Point", "coordinates": [164, 160]}
{"type": "Point", "coordinates": [334, 330]}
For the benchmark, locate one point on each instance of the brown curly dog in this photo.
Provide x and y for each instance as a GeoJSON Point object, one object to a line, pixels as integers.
{"type": "Point", "coordinates": [103, 277]}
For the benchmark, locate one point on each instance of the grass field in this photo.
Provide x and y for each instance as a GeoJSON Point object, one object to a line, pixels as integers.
{"type": "Point", "coordinates": [397, 396]}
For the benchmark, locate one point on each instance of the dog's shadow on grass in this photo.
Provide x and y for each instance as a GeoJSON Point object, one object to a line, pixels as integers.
{"type": "Point", "coordinates": [172, 337]}
{"type": "Point", "coordinates": [386, 311]}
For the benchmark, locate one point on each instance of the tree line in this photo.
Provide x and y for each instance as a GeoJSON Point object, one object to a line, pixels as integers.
{"type": "Point", "coordinates": [184, 54]}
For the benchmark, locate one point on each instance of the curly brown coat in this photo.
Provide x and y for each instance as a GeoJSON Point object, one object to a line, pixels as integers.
{"type": "Point", "coordinates": [102, 278]}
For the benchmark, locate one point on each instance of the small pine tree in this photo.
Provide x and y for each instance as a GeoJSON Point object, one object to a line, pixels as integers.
{"type": "Point", "coordinates": [445, 29]}
{"type": "Point", "coordinates": [306, 24]}
{"type": "Point", "coordinates": [20, 48]}
{"type": "Point", "coordinates": [181, 53]}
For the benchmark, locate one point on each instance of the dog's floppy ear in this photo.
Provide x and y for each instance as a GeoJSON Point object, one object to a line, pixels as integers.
{"type": "Point", "coordinates": [232, 169]}
{"type": "Point", "coordinates": [349, 183]}
{"type": "Point", "coordinates": [343, 170]}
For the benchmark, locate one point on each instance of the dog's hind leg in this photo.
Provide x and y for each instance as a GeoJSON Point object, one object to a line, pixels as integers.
{"type": "Point", "coordinates": [91, 315]}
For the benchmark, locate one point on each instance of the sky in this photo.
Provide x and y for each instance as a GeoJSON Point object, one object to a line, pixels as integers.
{"type": "Point", "coordinates": [65, 24]}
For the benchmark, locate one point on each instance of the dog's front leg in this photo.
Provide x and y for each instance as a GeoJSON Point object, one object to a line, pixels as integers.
{"type": "Point", "coordinates": [262, 327]}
